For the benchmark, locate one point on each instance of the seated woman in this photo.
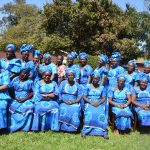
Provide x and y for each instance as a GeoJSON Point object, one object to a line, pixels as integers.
{"type": "Point", "coordinates": [21, 107]}
{"type": "Point", "coordinates": [70, 95]}
{"type": "Point", "coordinates": [46, 108]}
{"type": "Point", "coordinates": [141, 101]}
{"type": "Point", "coordinates": [120, 99]}
{"type": "Point", "coordinates": [96, 109]}
{"type": "Point", "coordinates": [4, 98]}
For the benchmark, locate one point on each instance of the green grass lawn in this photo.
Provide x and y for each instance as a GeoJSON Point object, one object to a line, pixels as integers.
{"type": "Point", "coordinates": [65, 141]}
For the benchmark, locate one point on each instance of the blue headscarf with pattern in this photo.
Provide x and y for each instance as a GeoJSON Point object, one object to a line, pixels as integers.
{"type": "Point", "coordinates": [115, 56]}
{"type": "Point", "coordinates": [133, 63]}
{"type": "Point", "coordinates": [83, 55]}
{"type": "Point", "coordinates": [14, 66]}
{"type": "Point", "coordinates": [104, 58]}
{"type": "Point", "coordinates": [36, 53]}
{"type": "Point", "coordinates": [45, 55]}
{"type": "Point", "coordinates": [121, 76]}
{"type": "Point", "coordinates": [72, 55]}
{"type": "Point", "coordinates": [26, 47]}
{"type": "Point", "coordinates": [146, 63]}
{"type": "Point", "coordinates": [12, 46]}
{"type": "Point", "coordinates": [69, 70]}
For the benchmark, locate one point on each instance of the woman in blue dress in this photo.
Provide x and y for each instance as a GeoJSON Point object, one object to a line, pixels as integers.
{"type": "Point", "coordinates": [130, 75]}
{"type": "Point", "coordinates": [115, 69]}
{"type": "Point", "coordinates": [4, 98]}
{"type": "Point", "coordinates": [46, 108]}
{"type": "Point", "coordinates": [21, 107]}
{"type": "Point", "coordinates": [47, 65]}
{"type": "Point", "coordinates": [120, 99]}
{"type": "Point", "coordinates": [25, 62]}
{"type": "Point", "coordinates": [70, 65]}
{"type": "Point", "coordinates": [96, 109]}
{"type": "Point", "coordinates": [143, 74]}
{"type": "Point", "coordinates": [101, 70]}
{"type": "Point", "coordinates": [70, 95]}
{"type": "Point", "coordinates": [141, 102]}
{"type": "Point", "coordinates": [10, 60]}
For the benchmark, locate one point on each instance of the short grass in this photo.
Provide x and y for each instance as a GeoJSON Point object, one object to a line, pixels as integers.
{"type": "Point", "coordinates": [65, 141]}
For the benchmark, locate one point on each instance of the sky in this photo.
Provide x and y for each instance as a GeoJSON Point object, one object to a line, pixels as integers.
{"type": "Point", "coordinates": [138, 4]}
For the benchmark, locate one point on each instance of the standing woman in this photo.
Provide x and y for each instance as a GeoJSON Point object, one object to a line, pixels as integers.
{"type": "Point", "coordinates": [61, 69]}
{"type": "Point", "coordinates": [47, 65]}
{"type": "Point", "coordinates": [130, 75]}
{"type": "Point", "coordinates": [120, 99]}
{"type": "Point", "coordinates": [70, 65]}
{"type": "Point", "coordinates": [25, 62]}
{"type": "Point", "coordinates": [115, 69]}
{"type": "Point", "coordinates": [4, 98]}
{"type": "Point", "coordinates": [21, 107]}
{"type": "Point", "coordinates": [141, 102]}
{"type": "Point", "coordinates": [96, 109]}
{"type": "Point", "coordinates": [46, 108]}
{"type": "Point", "coordinates": [101, 70]}
{"type": "Point", "coordinates": [70, 95]}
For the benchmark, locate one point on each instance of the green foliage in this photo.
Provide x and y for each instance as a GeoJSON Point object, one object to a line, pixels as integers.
{"type": "Point", "coordinates": [96, 26]}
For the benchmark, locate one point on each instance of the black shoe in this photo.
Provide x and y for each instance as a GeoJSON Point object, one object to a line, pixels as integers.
{"type": "Point", "coordinates": [106, 137]}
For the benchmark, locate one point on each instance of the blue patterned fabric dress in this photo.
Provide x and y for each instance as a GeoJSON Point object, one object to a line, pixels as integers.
{"type": "Point", "coordinates": [102, 72]}
{"type": "Point", "coordinates": [95, 118]}
{"type": "Point", "coordinates": [124, 115]}
{"type": "Point", "coordinates": [69, 114]}
{"type": "Point", "coordinates": [142, 97]}
{"type": "Point", "coordinates": [46, 112]}
{"type": "Point", "coordinates": [4, 99]}
{"type": "Point", "coordinates": [113, 75]}
{"type": "Point", "coordinates": [21, 113]}
{"type": "Point", "coordinates": [130, 79]}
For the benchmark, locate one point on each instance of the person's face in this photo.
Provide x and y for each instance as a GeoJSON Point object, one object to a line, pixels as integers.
{"type": "Point", "coordinates": [69, 61]}
{"type": "Point", "coordinates": [121, 82]}
{"type": "Point", "coordinates": [47, 60]}
{"type": "Point", "coordinates": [114, 63]}
{"type": "Point", "coordinates": [24, 75]}
{"type": "Point", "coordinates": [95, 80]}
{"type": "Point", "coordinates": [36, 59]}
{"type": "Point", "coordinates": [131, 67]}
{"type": "Point", "coordinates": [59, 60]}
{"type": "Point", "coordinates": [100, 63]}
{"type": "Point", "coordinates": [147, 69]}
{"type": "Point", "coordinates": [47, 76]}
{"type": "Point", "coordinates": [83, 61]}
{"type": "Point", "coordinates": [70, 77]}
{"type": "Point", "coordinates": [143, 84]}
{"type": "Point", "coordinates": [9, 53]}
{"type": "Point", "coordinates": [25, 55]}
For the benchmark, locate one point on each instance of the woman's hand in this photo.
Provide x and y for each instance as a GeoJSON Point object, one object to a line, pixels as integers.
{"type": "Point", "coordinates": [69, 102]}
{"type": "Point", "coordinates": [120, 106]}
{"type": "Point", "coordinates": [95, 104]}
{"type": "Point", "coordinates": [145, 107]}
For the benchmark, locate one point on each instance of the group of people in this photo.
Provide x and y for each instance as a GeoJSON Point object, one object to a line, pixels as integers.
{"type": "Point", "coordinates": [38, 95]}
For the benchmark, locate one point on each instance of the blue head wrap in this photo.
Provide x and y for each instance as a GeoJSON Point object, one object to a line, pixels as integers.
{"type": "Point", "coordinates": [121, 76]}
{"type": "Point", "coordinates": [14, 66]}
{"type": "Point", "coordinates": [70, 71]}
{"type": "Point", "coordinates": [26, 47]}
{"type": "Point", "coordinates": [45, 55]}
{"type": "Point", "coordinates": [116, 56]}
{"type": "Point", "coordinates": [12, 46]}
{"type": "Point", "coordinates": [133, 63]}
{"type": "Point", "coordinates": [83, 55]}
{"type": "Point", "coordinates": [146, 63]}
{"type": "Point", "coordinates": [72, 55]}
{"type": "Point", "coordinates": [36, 53]}
{"type": "Point", "coordinates": [25, 69]}
{"type": "Point", "coordinates": [104, 58]}
{"type": "Point", "coordinates": [143, 79]}
{"type": "Point", "coordinates": [46, 69]}
{"type": "Point", "coordinates": [96, 74]}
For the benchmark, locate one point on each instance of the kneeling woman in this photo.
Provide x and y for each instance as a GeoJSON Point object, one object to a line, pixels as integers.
{"type": "Point", "coordinates": [46, 109]}
{"type": "Point", "coordinates": [96, 108]}
{"type": "Point", "coordinates": [141, 101]}
{"type": "Point", "coordinates": [120, 99]}
{"type": "Point", "coordinates": [70, 95]}
{"type": "Point", "coordinates": [21, 108]}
